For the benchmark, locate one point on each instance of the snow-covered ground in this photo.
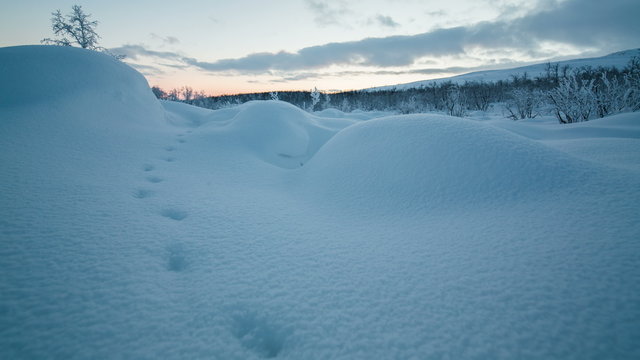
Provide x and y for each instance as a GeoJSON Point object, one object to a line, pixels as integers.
{"type": "Point", "coordinates": [137, 229]}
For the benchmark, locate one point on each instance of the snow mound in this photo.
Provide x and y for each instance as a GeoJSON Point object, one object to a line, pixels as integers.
{"type": "Point", "coordinates": [73, 79]}
{"type": "Point", "coordinates": [426, 160]}
{"type": "Point", "coordinates": [185, 115]}
{"type": "Point", "coordinates": [280, 133]}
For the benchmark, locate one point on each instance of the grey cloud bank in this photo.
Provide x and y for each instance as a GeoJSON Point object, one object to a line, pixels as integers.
{"type": "Point", "coordinates": [586, 24]}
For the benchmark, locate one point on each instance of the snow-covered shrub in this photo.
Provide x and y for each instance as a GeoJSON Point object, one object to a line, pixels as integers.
{"type": "Point", "coordinates": [524, 104]}
{"type": "Point", "coordinates": [615, 94]}
{"type": "Point", "coordinates": [574, 99]}
{"type": "Point", "coordinates": [588, 93]}
{"type": "Point", "coordinates": [631, 97]}
{"type": "Point", "coordinates": [479, 95]}
{"type": "Point", "coordinates": [409, 106]}
{"type": "Point", "coordinates": [606, 96]}
{"type": "Point", "coordinates": [455, 102]}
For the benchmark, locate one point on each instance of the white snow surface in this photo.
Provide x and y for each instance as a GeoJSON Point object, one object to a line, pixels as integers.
{"type": "Point", "coordinates": [618, 60]}
{"type": "Point", "coordinates": [138, 229]}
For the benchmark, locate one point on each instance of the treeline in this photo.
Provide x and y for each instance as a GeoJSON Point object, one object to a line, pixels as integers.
{"type": "Point", "coordinates": [571, 95]}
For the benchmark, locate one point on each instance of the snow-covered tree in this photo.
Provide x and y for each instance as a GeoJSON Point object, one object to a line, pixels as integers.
{"type": "Point", "coordinates": [632, 81]}
{"type": "Point", "coordinates": [274, 95]}
{"type": "Point", "coordinates": [345, 106]}
{"type": "Point", "coordinates": [76, 28]}
{"type": "Point", "coordinates": [315, 98]}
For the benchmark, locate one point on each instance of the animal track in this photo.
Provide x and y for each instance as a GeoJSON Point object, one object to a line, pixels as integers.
{"type": "Point", "coordinates": [182, 141]}
{"type": "Point", "coordinates": [148, 167]}
{"type": "Point", "coordinates": [177, 260]}
{"type": "Point", "coordinates": [174, 214]}
{"type": "Point", "coordinates": [169, 159]}
{"type": "Point", "coordinates": [154, 179]}
{"type": "Point", "coordinates": [170, 148]}
{"type": "Point", "coordinates": [142, 193]}
{"type": "Point", "coordinates": [256, 334]}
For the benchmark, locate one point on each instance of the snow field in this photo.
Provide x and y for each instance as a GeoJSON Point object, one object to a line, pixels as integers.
{"type": "Point", "coordinates": [132, 228]}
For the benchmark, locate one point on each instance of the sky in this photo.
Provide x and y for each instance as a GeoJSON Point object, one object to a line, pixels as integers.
{"type": "Point", "coordinates": [227, 47]}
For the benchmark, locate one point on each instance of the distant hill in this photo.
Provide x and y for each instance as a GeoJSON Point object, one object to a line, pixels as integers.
{"type": "Point", "coordinates": [617, 59]}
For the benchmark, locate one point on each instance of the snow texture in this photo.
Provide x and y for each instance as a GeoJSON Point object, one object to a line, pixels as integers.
{"type": "Point", "coordinates": [133, 228]}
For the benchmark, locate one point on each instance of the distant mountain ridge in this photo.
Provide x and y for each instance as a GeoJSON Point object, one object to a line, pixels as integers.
{"type": "Point", "coordinates": [617, 59]}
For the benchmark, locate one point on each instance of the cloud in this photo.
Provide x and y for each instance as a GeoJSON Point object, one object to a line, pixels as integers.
{"type": "Point", "coordinates": [437, 13]}
{"type": "Point", "coordinates": [579, 24]}
{"type": "Point", "coordinates": [607, 26]}
{"type": "Point", "coordinates": [423, 71]}
{"type": "Point", "coordinates": [384, 21]}
{"type": "Point", "coordinates": [383, 52]}
{"type": "Point", "coordinates": [134, 52]}
{"type": "Point", "coordinates": [166, 40]}
{"type": "Point", "coordinates": [325, 14]}
{"type": "Point", "coordinates": [588, 23]}
{"type": "Point", "coordinates": [148, 70]}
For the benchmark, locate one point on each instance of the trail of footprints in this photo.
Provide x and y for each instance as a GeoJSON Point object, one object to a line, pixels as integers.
{"type": "Point", "coordinates": [253, 332]}
{"type": "Point", "coordinates": [176, 260]}
{"type": "Point", "coordinates": [170, 213]}
{"type": "Point", "coordinates": [143, 193]}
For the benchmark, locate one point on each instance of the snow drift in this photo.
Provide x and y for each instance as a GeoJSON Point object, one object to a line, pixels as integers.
{"type": "Point", "coordinates": [132, 228]}
{"type": "Point", "coordinates": [423, 161]}
{"type": "Point", "coordinates": [281, 133]}
{"type": "Point", "coordinates": [74, 78]}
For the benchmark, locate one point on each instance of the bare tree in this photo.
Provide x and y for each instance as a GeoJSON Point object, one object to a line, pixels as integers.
{"type": "Point", "coordinates": [77, 28]}
{"type": "Point", "coordinates": [173, 95]}
{"type": "Point", "coordinates": [187, 93]}
{"type": "Point", "coordinates": [159, 93]}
